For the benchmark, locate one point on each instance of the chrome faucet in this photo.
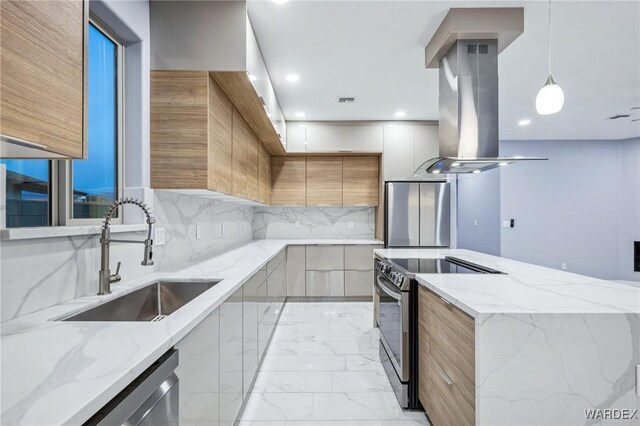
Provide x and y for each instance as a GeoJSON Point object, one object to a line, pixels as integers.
{"type": "Point", "coordinates": [105, 277]}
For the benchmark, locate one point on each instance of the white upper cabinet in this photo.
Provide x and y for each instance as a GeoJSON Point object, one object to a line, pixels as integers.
{"type": "Point", "coordinates": [335, 137]}
{"type": "Point", "coordinates": [407, 146]}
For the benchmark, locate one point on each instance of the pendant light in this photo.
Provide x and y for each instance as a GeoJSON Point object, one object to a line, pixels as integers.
{"type": "Point", "coordinates": [550, 98]}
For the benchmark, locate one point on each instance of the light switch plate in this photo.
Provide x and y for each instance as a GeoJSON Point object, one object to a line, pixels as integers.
{"type": "Point", "coordinates": [297, 224]}
{"type": "Point", "coordinates": [198, 232]}
{"type": "Point", "coordinates": [350, 224]}
{"type": "Point", "coordinates": [505, 224]}
{"type": "Point", "coordinates": [564, 266]}
{"type": "Point", "coordinates": [158, 236]}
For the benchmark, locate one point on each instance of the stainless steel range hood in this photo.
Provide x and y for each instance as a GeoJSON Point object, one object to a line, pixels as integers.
{"type": "Point", "coordinates": [465, 49]}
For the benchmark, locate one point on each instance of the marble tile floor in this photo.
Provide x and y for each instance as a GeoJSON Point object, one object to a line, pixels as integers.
{"type": "Point", "coordinates": [322, 368]}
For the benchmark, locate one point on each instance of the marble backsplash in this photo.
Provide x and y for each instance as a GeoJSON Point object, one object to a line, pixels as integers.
{"type": "Point", "coordinates": [313, 222]}
{"type": "Point", "coordinates": [38, 273]}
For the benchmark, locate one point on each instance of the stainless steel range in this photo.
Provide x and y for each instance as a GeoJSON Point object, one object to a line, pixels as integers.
{"type": "Point", "coordinates": [396, 316]}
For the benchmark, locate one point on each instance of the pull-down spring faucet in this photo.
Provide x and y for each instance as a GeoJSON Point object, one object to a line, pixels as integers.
{"type": "Point", "coordinates": [105, 277]}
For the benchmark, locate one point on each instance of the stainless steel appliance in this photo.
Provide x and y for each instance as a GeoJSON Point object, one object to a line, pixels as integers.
{"type": "Point", "coordinates": [396, 316]}
{"type": "Point", "coordinates": [150, 400]}
{"type": "Point", "coordinates": [417, 214]}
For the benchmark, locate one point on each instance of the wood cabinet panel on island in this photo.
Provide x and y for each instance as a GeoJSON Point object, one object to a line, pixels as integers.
{"type": "Point", "coordinates": [43, 78]}
{"type": "Point", "coordinates": [199, 140]}
{"type": "Point", "coordinates": [446, 341]}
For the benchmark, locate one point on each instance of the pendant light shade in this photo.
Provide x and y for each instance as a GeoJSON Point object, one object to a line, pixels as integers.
{"type": "Point", "coordinates": [550, 98]}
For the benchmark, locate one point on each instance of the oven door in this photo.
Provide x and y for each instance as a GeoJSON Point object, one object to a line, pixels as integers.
{"type": "Point", "coordinates": [393, 323]}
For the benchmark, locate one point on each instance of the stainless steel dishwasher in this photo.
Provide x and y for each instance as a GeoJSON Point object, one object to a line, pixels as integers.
{"type": "Point", "coordinates": [150, 400]}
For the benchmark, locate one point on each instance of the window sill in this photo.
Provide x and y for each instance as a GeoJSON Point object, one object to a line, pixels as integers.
{"type": "Point", "coordinates": [64, 231]}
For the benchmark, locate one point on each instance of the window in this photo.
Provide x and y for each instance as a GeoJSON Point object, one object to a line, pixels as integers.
{"type": "Point", "coordinates": [28, 193]}
{"type": "Point", "coordinates": [77, 192]}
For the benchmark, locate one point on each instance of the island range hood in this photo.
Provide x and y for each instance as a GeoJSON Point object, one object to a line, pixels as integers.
{"type": "Point", "coordinates": [465, 48]}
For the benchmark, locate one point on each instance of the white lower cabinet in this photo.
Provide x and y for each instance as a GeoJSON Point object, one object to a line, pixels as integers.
{"type": "Point", "coordinates": [358, 283]}
{"type": "Point", "coordinates": [330, 270]}
{"type": "Point", "coordinates": [231, 340]}
{"type": "Point", "coordinates": [296, 269]}
{"type": "Point", "coordinates": [199, 372]}
{"type": "Point", "coordinates": [325, 283]}
{"type": "Point", "coordinates": [219, 358]}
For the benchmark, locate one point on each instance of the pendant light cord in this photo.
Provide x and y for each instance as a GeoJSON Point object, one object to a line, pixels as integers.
{"type": "Point", "coordinates": [549, 37]}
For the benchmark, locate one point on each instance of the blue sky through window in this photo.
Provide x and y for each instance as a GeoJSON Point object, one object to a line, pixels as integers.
{"type": "Point", "coordinates": [97, 174]}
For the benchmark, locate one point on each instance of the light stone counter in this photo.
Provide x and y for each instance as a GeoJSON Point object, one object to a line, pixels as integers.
{"type": "Point", "coordinates": [63, 372]}
{"type": "Point", "coordinates": [549, 344]}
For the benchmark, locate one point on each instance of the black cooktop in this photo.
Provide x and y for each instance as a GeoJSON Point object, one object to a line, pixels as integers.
{"type": "Point", "coordinates": [448, 265]}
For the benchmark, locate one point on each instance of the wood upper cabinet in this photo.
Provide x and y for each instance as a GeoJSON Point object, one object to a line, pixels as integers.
{"type": "Point", "coordinates": [360, 184]}
{"type": "Point", "coordinates": [446, 363]}
{"type": "Point", "coordinates": [241, 137]}
{"type": "Point", "coordinates": [179, 130]}
{"type": "Point", "coordinates": [252, 168]}
{"type": "Point", "coordinates": [43, 78]}
{"type": "Point", "coordinates": [220, 140]}
{"type": "Point", "coordinates": [324, 181]}
{"type": "Point", "coordinates": [199, 141]}
{"type": "Point", "coordinates": [288, 181]}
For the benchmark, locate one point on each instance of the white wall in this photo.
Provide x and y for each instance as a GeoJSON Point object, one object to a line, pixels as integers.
{"type": "Point", "coordinates": [582, 207]}
{"type": "Point", "coordinates": [478, 212]}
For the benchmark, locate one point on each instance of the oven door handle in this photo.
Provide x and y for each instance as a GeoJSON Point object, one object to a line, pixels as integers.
{"type": "Point", "coordinates": [385, 287]}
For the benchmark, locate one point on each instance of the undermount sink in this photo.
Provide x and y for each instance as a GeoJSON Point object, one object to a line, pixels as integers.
{"type": "Point", "coordinates": [150, 303]}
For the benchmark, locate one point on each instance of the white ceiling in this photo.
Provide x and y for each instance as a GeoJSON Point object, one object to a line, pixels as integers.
{"type": "Point", "coordinates": [374, 51]}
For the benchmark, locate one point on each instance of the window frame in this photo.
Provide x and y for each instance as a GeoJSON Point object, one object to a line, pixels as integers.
{"type": "Point", "coordinates": [62, 193]}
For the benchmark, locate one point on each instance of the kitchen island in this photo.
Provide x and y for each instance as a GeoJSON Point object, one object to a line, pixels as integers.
{"type": "Point", "coordinates": [550, 347]}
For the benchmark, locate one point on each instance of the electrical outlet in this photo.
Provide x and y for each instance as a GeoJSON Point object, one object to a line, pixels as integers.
{"type": "Point", "coordinates": [350, 224]}
{"type": "Point", "coordinates": [564, 266]}
{"type": "Point", "coordinates": [505, 224]}
{"type": "Point", "coordinates": [158, 236]}
{"type": "Point", "coordinates": [475, 222]}
{"type": "Point", "coordinates": [198, 232]}
{"type": "Point", "coordinates": [297, 224]}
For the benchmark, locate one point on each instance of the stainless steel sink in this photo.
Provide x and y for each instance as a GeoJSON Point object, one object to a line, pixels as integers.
{"type": "Point", "coordinates": [150, 303]}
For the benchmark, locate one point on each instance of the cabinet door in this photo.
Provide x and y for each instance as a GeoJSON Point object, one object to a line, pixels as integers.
{"type": "Point", "coordinates": [231, 340]}
{"type": "Point", "coordinates": [360, 184]}
{"type": "Point", "coordinates": [357, 257]}
{"type": "Point", "coordinates": [241, 136]}
{"type": "Point", "coordinates": [296, 138]}
{"type": "Point", "coordinates": [220, 139]}
{"type": "Point", "coordinates": [179, 120]}
{"type": "Point", "coordinates": [276, 289]}
{"type": "Point", "coordinates": [358, 283]}
{"type": "Point", "coordinates": [347, 137]}
{"type": "Point", "coordinates": [250, 329]}
{"type": "Point", "coordinates": [425, 144]}
{"type": "Point", "coordinates": [269, 181]}
{"type": "Point", "coordinates": [295, 271]}
{"type": "Point", "coordinates": [43, 77]}
{"type": "Point", "coordinates": [325, 258]}
{"type": "Point", "coordinates": [252, 167]}
{"type": "Point", "coordinates": [325, 283]}
{"type": "Point", "coordinates": [397, 156]}
{"type": "Point", "coordinates": [263, 158]}
{"type": "Point", "coordinates": [263, 319]}
{"type": "Point", "coordinates": [423, 346]}
{"type": "Point", "coordinates": [324, 181]}
{"type": "Point", "coordinates": [288, 181]}
{"type": "Point", "coordinates": [199, 372]}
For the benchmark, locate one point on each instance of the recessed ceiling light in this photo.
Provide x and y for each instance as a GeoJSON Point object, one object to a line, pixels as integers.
{"type": "Point", "coordinates": [293, 78]}
{"type": "Point", "coordinates": [502, 164]}
{"type": "Point", "coordinates": [280, 1]}
{"type": "Point", "coordinates": [252, 77]}
{"type": "Point", "coordinates": [524, 122]}
{"type": "Point", "coordinates": [456, 164]}
{"type": "Point", "coordinates": [435, 172]}
{"type": "Point", "coordinates": [476, 171]}
{"type": "Point", "coordinates": [300, 114]}
{"type": "Point", "coordinates": [400, 114]}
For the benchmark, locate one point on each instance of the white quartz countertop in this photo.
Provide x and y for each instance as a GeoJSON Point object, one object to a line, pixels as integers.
{"type": "Point", "coordinates": [525, 288]}
{"type": "Point", "coordinates": [57, 372]}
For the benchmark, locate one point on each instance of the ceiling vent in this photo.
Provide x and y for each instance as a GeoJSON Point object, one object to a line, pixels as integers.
{"type": "Point", "coordinates": [346, 100]}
